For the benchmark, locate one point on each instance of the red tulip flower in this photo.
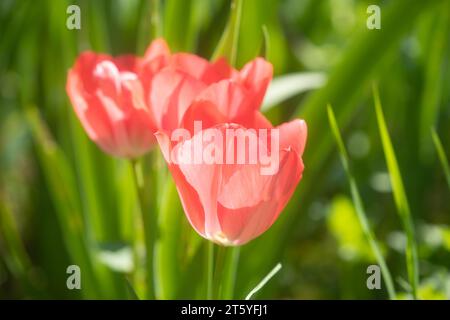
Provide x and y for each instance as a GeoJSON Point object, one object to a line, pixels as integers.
{"type": "Point", "coordinates": [109, 99]}
{"type": "Point", "coordinates": [121, 102]}
{"type": "Point", "coordinates": [180, 92]}
{"type": "Point", "coordinates": [231, 190]}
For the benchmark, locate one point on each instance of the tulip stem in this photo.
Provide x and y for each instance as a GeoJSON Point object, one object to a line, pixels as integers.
{"type": "Point", "coordinates": [209, 270]}
{"type": "Point", "coordinates": [229, 272]}
{"type": "Point", "coordinates": [225, 272]}
{"type": "Point", "coordinates": [148, 223]}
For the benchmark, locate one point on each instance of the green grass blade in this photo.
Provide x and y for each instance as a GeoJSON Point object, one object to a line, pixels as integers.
{"type": "Point", "coordinates": [228, 43]}
{"type": "Point", "coordinates": [265, 45]}
{"type": "Point", "coordinates": [439, 24]}
{"type": "Point", "coordinates": [441, 154]}
{"type": "Point", "coordinates": [264, 281]}
{"type": "Point", "coordinates": [400, 197]}
{"type": "Point", "coordinates": [132, 295]}
{"type": "Point", "coordinates": [180, 29]}
{"type": "Point", "coordinates": [155, 19]}
{"type": "Point", "coordinates": [16, 256]}
{"type": "Point", "coordinates": [168, 246]}
{"type": "Point", "coordinates": [287, 86]}
{"type": "Point", "coordinates": [359, 207]}
{"type": "Point", "coordinates": [147, 209]}
{"type": "Point", "coordinates": [62, 186]}
{"type": "Point", "coordinates": [229, 273]}
{"type": "Point", "coordinates": [209, 270]}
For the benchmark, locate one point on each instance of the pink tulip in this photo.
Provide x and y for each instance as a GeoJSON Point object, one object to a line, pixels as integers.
{"type": "Point", "coordinates": [108, 97]}
{"type": "Point", "coordinates": [231, 203]}
{"type": "Point", "coordinates": [180, 92]}
{"type": "Point", "coordinates": [122, 101]}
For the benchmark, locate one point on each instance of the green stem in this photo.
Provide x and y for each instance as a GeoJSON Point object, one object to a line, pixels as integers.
{"type": "Point", "coordinates": [229, 273]}
{"type": "Point", "coordinates": [155, 18]}
{"type": "Point", "coordinates": [228, 43]}
{"type": "Point", "coordinates": [209, 270]}
{"type": "Point", "coordinates": [359, 207]}
{"type": "Point", "coordinates": [400, 198]}
{"type": "Point", "coordinates": [441, 154]}
{"type": "Point", "coordinates": [149, 226]}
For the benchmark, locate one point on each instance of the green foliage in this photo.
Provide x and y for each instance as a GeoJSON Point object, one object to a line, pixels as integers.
{"type": "Point", "coordinates": [400, 197]}
{"type": "Point", "coordinates": [63, 202]}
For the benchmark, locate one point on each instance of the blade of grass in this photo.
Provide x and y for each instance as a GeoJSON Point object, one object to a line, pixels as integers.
{"type": "Point", "coordinates": [264, 281]}
{"type": "Point", "coordinates": [229, 272]}
{"type": "Point", "coordinates": [61, 183]}
{"type": "Point", "coordinates": [97, 24]}
{"type": "Point", "coordinates": [284, 87]}
{"type": "Point", "coordinates": [132, 295]}
{"type": "Point", "coordinates": [265, 45]}
{"type": "Point", "coordinates": [209, 270]}
{"type": "Point", "coordinates": [180, 29]}
{"type": "Point", "coordinates": [168, 246]}
{"type": "Point", "coordinates": [359, 207]}
{"type": "Point", "coordinates": [16, 256]}
{"type": "Point", "coordinates": [400, 197]}
{"type": "Point", "coordinates": [441, 154]}
{"type": "Point", "coordinates": [227, 46]}
{"type": "Point", "coordinates": [155, 19]}
{"type": "Point", "coordinates": [148, 217]}
{"type": "Point", "coordinates": [434, 72]}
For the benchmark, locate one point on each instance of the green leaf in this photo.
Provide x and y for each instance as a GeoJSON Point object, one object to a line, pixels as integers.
{"type": "Point", "coordinates": [132, 295]}
{"type": "Point", "coordinates": [400, 198]}
{"type": "Point", "coordinates": [116, 256]}
{"type": "Point", "coordinates": [228, 43]}
{"type": "Point", "coordinates": [230, 269]}
{"type": "Point", "coordinates": [62, 187]}
{"type": "Point", "coordinates": [264, 281]}
{"type": "Point", "coordinates": [180, 26]}
{"type": "Point", "coordinates": [265, 46]}
{"type": "Point", "coordinates": [15, 253]}
{"type": "Point", "coordinates": [435, 57]}
{"type": "Point", "coordinates": [287, 86]}
{"type": "Point", "coordinates": [155, 19]}
{"type": "Point", "coordinates": [168, 250]}
{"type": "Point", "coordinates": [359, 207]}
{"type": "Point", "coordinates": [441, 154]}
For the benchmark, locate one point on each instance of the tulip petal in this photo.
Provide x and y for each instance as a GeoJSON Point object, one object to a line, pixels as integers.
{"type": "Point", "coordinates": [108, 99]}
{"type": "Point", "coordinates": [189, 197]}
{"type": "Point", "coordinates": [202, 69]}
{"type": "Point", "coordinates": [172, 93]}
{"type": "Point", "coordinates": [205, 179]}
{"type": "Point", "coordinates": [222, 102]}
{"type": "Point", "coordinates": [157, 49]}
{"type": "Point", "coordinates": [244, 223]}
{"type": "Point", "coordinates": [293, 134]}
{"type": "Point", "coordinates": [255, 76]}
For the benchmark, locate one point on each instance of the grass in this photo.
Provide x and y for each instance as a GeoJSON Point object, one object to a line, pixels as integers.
{"type": "Point", "coordinates": [359, 207]}
{"type": "Point", "coordinates": [400, 197]}
{"type": "Point", "coordinates": [63, 200]}
{"type": "Point", "coordinates": [441, 154]}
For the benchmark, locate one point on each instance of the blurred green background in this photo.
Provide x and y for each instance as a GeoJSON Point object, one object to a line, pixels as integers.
{"type": "Point", "coordinates": [63, 202]}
